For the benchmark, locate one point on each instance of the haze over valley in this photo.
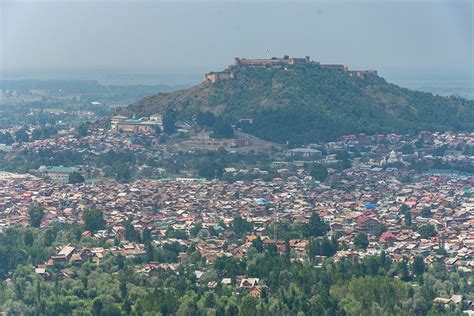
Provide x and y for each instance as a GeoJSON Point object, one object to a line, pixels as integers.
{"type": "Point", "coordinates": [236, 157]}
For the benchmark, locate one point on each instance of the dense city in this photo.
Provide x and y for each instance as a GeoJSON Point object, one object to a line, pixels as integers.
{"type": "Point", "coordinates": [190, 204]}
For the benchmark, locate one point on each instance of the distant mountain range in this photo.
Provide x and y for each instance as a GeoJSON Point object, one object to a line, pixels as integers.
{"type": "Point", "coordinates": [306, 102]}
{"type": "Point", "coordinates": [76, 86]}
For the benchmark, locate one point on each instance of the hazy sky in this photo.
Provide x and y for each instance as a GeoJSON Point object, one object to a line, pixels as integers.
{"type": "Point", "coordinates": [207, 35]}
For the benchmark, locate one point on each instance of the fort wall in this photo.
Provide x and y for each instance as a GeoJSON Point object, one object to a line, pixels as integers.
{"type": "Point", "coordinates": [216, 76]}
{"type": "Point", "coordinates": [279, 62]}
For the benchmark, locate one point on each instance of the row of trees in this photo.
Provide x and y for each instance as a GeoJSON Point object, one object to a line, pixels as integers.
{"type": "Point", "coordinates": [122, 165]}
{"type": "Point", "coordinates": [117, 164]}
{"type": "Point", "coordinates": [22, 135]}
{"type": "Point", "coordinates": [112, 289]}
{"type": "Point", "coordinates": [372, 286]}
{"type": "Point", "coordinates": [425, 230]}
{"type": "Point", "coordinates": [220, 128]}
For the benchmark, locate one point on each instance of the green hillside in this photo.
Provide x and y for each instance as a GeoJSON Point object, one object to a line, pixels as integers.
{"type": "Point", "coordinates": [305, 103]}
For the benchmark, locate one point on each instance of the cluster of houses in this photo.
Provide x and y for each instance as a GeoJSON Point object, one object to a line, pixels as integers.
{"type": "Point", "coordinates": [364, 197]}
{"type": "Point", "coordinates": [359, 200]}
{"type": "Point", "coordinates": [366, 151]}
{"type": "Point", "coordinates": [390, 150]}
{"type": "Point", "coordinates": [362, 201]}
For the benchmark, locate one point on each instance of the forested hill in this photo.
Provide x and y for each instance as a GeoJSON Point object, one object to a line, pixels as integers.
{"type": "Point", "coordinates": [306, 103]}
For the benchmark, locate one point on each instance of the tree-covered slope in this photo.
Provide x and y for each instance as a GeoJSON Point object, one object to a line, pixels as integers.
{"type": "Point", "coordinates": [305, 103]}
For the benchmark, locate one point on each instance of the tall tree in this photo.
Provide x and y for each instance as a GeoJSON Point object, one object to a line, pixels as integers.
{"type": "Point", "coordinates": [82, 130]}
{"type": "Point", "coordinates": [258, 244]}
{"type": "Point", "coordinates": [93, 219]}
{"type": "Point", "coordinates": [123, 173]}
{"type": "Point", "coordinates": [210, 169]}
{"type": "Point", "coordinates": [408, 218]}
{"type": "Point", "coordinates": [319, 172]}
{"type": "Point", "coordinates": [427, 230]}
{"type": "Point", "coordinates": [316, 226]}
{"type": "Point", "coordinates": [241, 225]}
{"type": "Point", "coordinates": [222, 129]}
{"type": "Point", "coordinates": [75, 177]}
{"type": "Point", "coordinates": [361, 241]}
{"type": "Point", "coordinates": [36, 214]}
{"type": "Point", "coordinates": [327, 248]}
{"type": "Point", "coordinates": [287, 250]}
{"type": "Point", "coordinates": [248, 306]}
{"type": "Point", "coordinates": [418, 266]}
{"type": "Point", "coordinates": [146, 235]}
{"type": "Point", "coordinates": [21, 136]}
{"type": "Point", "coordinates": [426, 212]}
{"type": "Point", "coordinates": [130, 233]}
{"type": "Point", "coordinates": [403, 209]}
{"type": "Point", "coordinates": [206, 119]}
{"type": "Point", "coordinates": [169, 121]}
{"type": "Point", "coordinates": [6, 138]}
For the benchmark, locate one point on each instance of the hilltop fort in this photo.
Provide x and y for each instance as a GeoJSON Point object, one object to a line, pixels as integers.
{"type": "Point", "coordinates": [282, 62]}
{"type": "Point", "coordinates": [298, 101]}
